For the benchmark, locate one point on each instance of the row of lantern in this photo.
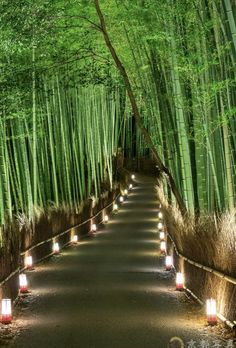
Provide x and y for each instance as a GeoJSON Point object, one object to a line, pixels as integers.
{"type": "Point", "coordinates": [211, 310]}
{"type": "Point", "coordinates": [6, 315]}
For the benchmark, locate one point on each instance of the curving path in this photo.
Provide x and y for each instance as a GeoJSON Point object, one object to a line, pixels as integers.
{"type": "Point", "coordinates": [110, 290]}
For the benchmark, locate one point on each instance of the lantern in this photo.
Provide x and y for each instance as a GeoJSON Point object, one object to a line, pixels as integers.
{"type": "Point", "coordinates": [75, 239]}
{"type": "Point", "coordinates": [115, 207]}
{"type": "Point", "coordinates": [94, 227]}
{"type": "Point", "coordinates": [23, 283]}
{"type": "Point", "coordinates": [126, 192]}
{"type": "Point", "coordinates": [56, 248]}
{"type": "Point", "coordinates": [162, 235]}
{"type": "Point", "coordinates": [211, 311]}
{"type": "Point", "coordinates": [160, 215]}
{"type": "Point", "coordinates": [160, 226]}
{"type": "Point", "coordinates": [132, 176]}
{"type": "Point", "coordinates": [29, 262]}
{"type": "Point", "coordinates": [163, 247]}
{"type": "Point", "coordinates": [121, 199]}
{"type": "Point", "coordinates": [106, 219]}
{"type": "Point", "coordinates": [6, 311]}
{"type": "Point", "coordinates": [179, 281]}
{"type": "Point", "coordinates": [169, 263]}
{"type": "Point", "coordinates": [130, 186]}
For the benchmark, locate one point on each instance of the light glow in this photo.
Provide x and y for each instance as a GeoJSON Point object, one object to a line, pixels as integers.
{"type": "Point", "coordinates": [132, 176]}
{"type": "Point", "coordinates": [115, 207]}
{"type": "Point", "coordinates": [6, 311]}
{"type": "Point", "coordinates": [160, 215]}
{"type": "Point", "coordinates": [106, 218]}
{"type": "Point", "coordinates": [56, 248]}
{"type": "Point", "coordinates": [121, 199]}
{"type": "Point", "coordinates": [163, 247]}
{"type": "Point", "coordinates": [130, 186]}
{"type": "Point", "coordinates": [29, 262]}
{"type": "Point", "coordinates": [75, 239]}
{"type": "Point", "coordinates": [94, 227]}
{"type": "Point", "coordinates": [162, 235]}
{"type": "Point", "coordinates": [126, 192]}
{"type": "Point", "coordinates": [160, 226]}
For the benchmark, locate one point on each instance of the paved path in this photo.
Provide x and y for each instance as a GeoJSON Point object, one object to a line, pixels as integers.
{"type": "Point", "coordinates": [111, 290]}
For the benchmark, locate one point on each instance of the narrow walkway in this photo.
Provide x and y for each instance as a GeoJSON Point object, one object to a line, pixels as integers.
{"type": "Point", "coordinates": [110, 290]}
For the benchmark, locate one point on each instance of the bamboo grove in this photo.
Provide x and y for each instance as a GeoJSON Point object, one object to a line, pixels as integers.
{"type": "Point", "coordinates": [64, 114]}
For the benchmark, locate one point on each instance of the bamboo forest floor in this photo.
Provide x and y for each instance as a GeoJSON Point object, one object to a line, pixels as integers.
{"type": "Point", "coordinates": [110, 290]}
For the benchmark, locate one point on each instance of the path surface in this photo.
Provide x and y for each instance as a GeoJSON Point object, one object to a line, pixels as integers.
{"type": "Point", "coordinates": [110, 290]}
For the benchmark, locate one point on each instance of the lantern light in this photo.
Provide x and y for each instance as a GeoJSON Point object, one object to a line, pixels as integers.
{"type": "Point", "coordinates": [6, 311]}
{"type": "Point", "coordinates": [163, 247]}
{"type": "Point", "coordinates": [132, 176]}
{"type": "Point", "coordinates": [169, 263]}
{"type": "Point", "coordinates": [106, 218]}
{"type": "Point", "coordinates": [179, 281]}
{"type": "Point", "coordinates": [130, 186]}
{"type": "Point", "coordinates": [160, 226]}
{"type": "Point", "coordinates": [29, 262]}
{"type": "Point", "coordinates": [162, 235]}
{"type": "Point", "coordinates": [121, 199]}
{"type": "Point", "coordinates": [75, 239]}
{"type": "Point", "coordinates": [56, 248]}
{"type": "Point", "coordinates": [160, 215]}
{"type": "Point", "coordinates": [23, 283]}
{"type": "Point", "coordinates": [115, 207]}
{"type": "Point", "coordinates": [211, 311]}
{"type": "Point", "coordinates": [126, 192]}
{"type": "Point", "coordinates": [94, 227]}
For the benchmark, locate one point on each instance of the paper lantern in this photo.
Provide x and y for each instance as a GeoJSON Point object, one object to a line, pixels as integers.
{"type": "Point", "coordinates": [130, 186]}
{"type": "Point", "coordinates": [162, 235]}
{"type": "Point", "coordinates": [211, 311]}
{"type": "Point", "coordinates": [126, 192]}
{"type": "Point", "coordinates": [179, 281]}
{"type": "Point", "coordinates": [163, 247]}
{"type": "Point", "coordinates": [94, 227]}
{"type": "Point", "coordinates": [132, 176]}
{"type": "Point", "coordinates": [23, 283]}
{"type": "Point", "coordinates": [29, 262]}
{"type": "Point", "coordinates": [160, 215]}
{"type": "Point", "coordinates": [75, 239]}
{"type": "Point", "coordinates": [106, 218]}
{"type": "Point", "coordinates": [121, 199]}
{"type": "Point", "coordinates": [56, 248]}
{"type": "Point", "coordinates": [169, 263]}
{"type": "Point", "coordinates": [6, 311]}
{"type": "Point", "coordinates": [160, 226]}
{"type": "Point", "coordinates": [115, 207]}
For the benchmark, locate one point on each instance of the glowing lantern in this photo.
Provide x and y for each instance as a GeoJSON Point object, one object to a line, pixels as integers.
{"type": "Point", "coordinates": [6, 311]}
{"type": "Point", "coordinates": [160, 215]}
{"type": "Point", "coordinates": [23, 283]}
{"type": "Point", "coordinates": [126, 192]}
{"type": "Point", "coordinates": [106, 218]}
{"type": "Point", "coordinates": [163, 247]}
{"type": "Point", "coordinates": [75, 239]}
{"type": "Point", "coordinates": [121, 199]}
{"type": "Point", "coordinates": [211, 311]}
{"type": "Point", "coordinates": [179, 281]}
{"type": "Point", "coordinates": [94, 227]}
{"type": "Point", "coordinates": [132, 176]}
{"type": "Point", "coordinates": [160, 226]}
{"type": "Point", "coordinates": [56, 248]}
{"type": "Point", "coordinates": [162, 235]}
{"type": "Point", "coordinates": [115, 207]}
{"type": "Point", "coordinates": [130, 186]}
{"type": "Point", "coordinates": [29, 262]}
{"type": "Point", "coordinates": [169, 263]}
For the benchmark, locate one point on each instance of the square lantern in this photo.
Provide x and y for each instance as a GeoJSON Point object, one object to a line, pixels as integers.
{"type": "Point", "coordinates": [163, 247]}
{"type": "Point", "coordinates": [162, 235]}
{"type": "Point", "coordinates": [169, 263]}
{"type": "Point", "coordinates": [29, 262]}
{"type": "Point", "coordinates": [121, 199]}
{"type": "Point", "coordinates": [126, 192]}
{"type": "Point", "coordinates": [75, 239]}
{"type": "Point", "coordinates": [160, 226]}
{"type": "Point", "coordinates": [106, 219]}
{"type": "Point", "coordinates": [115, 207]}
{"type": "Point", "coordinates": [179, 281]}
{"type": "Point", "coordinates": [211, 311]}
{"type": "Point", "coordinates": [94, 227]}
{"type": "Point", "coordinates": [56, 248]}
{"type": "Point", "coordinates": [23, 283]}
{"type": "Point", "coordinates": [130, 186]}
{"type": "Point", "coordinates": [6, 317]}
{"type": "Point", "coordinates": [160, 215]}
